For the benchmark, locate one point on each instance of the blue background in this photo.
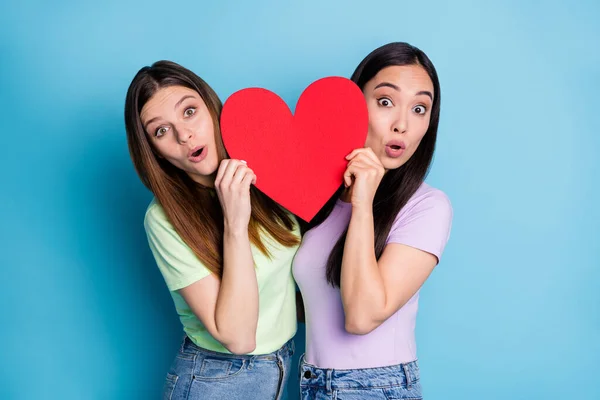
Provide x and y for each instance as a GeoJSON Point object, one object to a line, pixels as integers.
{"type": "Point", "coordinates": [512, 310]}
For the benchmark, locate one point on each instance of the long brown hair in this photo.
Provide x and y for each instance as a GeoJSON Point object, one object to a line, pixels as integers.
{"type": "Point", "coordinates": [398, 185]}
{"type": "Point", "coordinates": [193, 209]}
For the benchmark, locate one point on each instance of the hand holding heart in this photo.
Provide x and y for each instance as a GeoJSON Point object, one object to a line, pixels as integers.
{"type": "Point", "coordinates": [363, 175]}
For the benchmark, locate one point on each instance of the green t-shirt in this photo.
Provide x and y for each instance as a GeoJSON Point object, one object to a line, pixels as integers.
{"type": "Point", "coordinates": [276, 289]}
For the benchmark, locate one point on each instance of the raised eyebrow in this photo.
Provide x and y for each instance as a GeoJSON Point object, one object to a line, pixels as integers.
{"type": "Point", "coordinates": [387, 84]}
{"type": "Point", "coordinates": [187, 96]}
{"type": "Point", "coordinates": [426, 93]}
{"type": "Point", "coordinates": [395, 87]}
{"type": "Point", "coordinates": [149, 122]}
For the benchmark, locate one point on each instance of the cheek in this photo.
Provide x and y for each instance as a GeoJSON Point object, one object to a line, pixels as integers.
{"type": "Point", "coordinates": [213, 155]}
{"type": "Point", "coordinates": [369, 141]}
{"type": "Point", "coordinates": [211, 163]}
{"type": "Point", "coordinates": [208, 133]}
{"type": "Point", "coordinates": [372, 141]}
{"type": "Point", "coordinates": [160, 150]}
{"type": "Point", "coordinates": [417, 137]}
{"type": "Point", "coordinates": [169, 151]}
{"type": "Point", "coordinates": [375, 133]}
{"type": "Point", "coordinates": [418, 128]}
{"type": "Point", "coordinates": [419, 133]}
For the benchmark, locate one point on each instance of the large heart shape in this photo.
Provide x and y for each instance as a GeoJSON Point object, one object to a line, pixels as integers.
{"type": "Point", "coordinates": [299, 160]}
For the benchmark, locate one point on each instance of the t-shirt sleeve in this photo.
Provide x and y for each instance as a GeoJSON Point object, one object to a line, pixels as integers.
{"type": "Point", "coordinates": [425, 225]}
{"type": "Point", "coordinates": [176, 261]}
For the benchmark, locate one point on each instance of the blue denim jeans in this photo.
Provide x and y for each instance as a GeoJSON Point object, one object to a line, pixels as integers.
{"type": "Point", "coordinates": [400, 381]}
{"type": "Point", "coordinates": [197, 373]}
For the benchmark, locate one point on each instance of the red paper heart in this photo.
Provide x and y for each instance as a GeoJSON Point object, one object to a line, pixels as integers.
{"type": "Point", "coordinates": [299, 160]}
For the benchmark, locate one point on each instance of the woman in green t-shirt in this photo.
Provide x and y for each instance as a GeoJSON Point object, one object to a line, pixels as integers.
{"type": "Point", "coordinates": [224, 248]}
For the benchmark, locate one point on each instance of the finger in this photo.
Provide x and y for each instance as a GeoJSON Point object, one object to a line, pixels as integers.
{"type": "Point", "coordinates": [249, 178]}
{"type": "Point", "coordinates": [351, 169]}
{"type": "Point", "coordinates": [228, 173]}
{"type": "Point", "coordinates": [358, 160]}
{"type": "Point", "coordinates": [239, 174]}
{"type": "Point", "coordinates": [355, 152]}
{"type": "Point", "coordinates": [352, 172]}
{"type": "Point", "coordinates": [372, 156]}
{"type": "Point", "coordinates": [239, 161]}
{"type": "Point", "coordinates": [365, 155]}
{"type": "Point", "coordinates": [360, 163]}
{"type": "Point", "coordinates": [367, 161]}
{"type": "Point", "coordinates": [347, 178]}
{"type": "Point", "coordinates": [221, 171]}
{"type": "Point", "coordinates": [352, 154]}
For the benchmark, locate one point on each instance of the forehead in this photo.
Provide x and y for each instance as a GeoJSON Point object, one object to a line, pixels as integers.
{"type": "Point", "coordinates": [413, 78]}
{"type": "Point", "coordinates": [164, 100]}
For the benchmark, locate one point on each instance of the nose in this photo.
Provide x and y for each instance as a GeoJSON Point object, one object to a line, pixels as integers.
{"type": "Point", "coordinates": [400, 124]}
{"type": "Point", "coordinates": [184, 135]}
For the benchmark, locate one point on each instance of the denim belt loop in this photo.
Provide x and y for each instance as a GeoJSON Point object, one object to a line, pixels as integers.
{"type": "Point", "coordinates": [407, 376]}
{"type": "Point", "coordinates": [328, 380]}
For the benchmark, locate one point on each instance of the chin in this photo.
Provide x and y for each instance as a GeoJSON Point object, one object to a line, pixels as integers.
{"type": "Point", "coordinates": [391, 165]}
{"type": "Point", "coordinates": [209, 167]}
{"type": "Point", "coordinates": [208, 172]}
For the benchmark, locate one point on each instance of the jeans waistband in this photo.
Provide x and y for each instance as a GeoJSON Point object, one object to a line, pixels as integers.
{"type": "Point", "coordinates": [285, 350]}
{"type": "Point", "coordinates": [332, 379]}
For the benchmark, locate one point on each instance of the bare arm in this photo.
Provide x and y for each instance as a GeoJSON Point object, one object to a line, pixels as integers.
{"type": "Point", "coordinates": [373, 290]}
{"type": "Point", "coordinates": [229, 308]}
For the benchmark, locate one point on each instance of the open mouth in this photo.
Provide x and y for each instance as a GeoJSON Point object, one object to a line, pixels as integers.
{"type": "Point", "coordinates": [396, 145]}
{"type": "Point", "coordinates": [395, 149]}
{"type": "Point", "coordinates": [198, 154]}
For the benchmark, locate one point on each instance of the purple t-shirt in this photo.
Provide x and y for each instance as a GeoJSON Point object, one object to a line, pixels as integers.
{"type": "Point", "coordinates": [423, 223]}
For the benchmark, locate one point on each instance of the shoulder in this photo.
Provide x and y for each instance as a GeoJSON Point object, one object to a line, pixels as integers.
{"type": "Point", "coordinates": [154, 211]}
{"type": "Point", "coordinates": [427, 204]}
{"type": "Point", "coordinates": [155, 217]}
{"type": "Point", "coordinates": [424, 222]}
{"type": "Point", "coordinates": [428, 198]}
{"type": "Point", "coordinates": [430, 194]}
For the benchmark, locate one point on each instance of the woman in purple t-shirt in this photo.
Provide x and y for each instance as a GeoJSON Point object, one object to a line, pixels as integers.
{"type": "Point", "coordinates": [374, 244]}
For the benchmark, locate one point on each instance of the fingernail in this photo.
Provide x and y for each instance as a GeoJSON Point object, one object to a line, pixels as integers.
{"type": "Point", "coordinates": [244, 161]}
